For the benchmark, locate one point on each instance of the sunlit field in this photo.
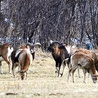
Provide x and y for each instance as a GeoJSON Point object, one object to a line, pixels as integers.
{"type": "Point", "coordinates": [42, 82]}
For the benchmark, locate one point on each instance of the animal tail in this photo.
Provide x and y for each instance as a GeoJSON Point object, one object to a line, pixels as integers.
{"type": "Point", "coordinates": [25, 66]}
{"type": "Point", "coordinates": [26, 63]}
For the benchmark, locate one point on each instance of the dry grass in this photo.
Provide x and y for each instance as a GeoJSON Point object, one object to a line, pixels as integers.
{"type": "Point", "coordinates": [42, 82]}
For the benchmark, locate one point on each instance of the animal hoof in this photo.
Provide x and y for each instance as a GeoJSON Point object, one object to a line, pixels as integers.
{"type": "Point", "coordinates": [56, 71]}
{"type": "Point", "coordinates": [61, 75]}
{"type": "Point", "coordinates": [9, 72]}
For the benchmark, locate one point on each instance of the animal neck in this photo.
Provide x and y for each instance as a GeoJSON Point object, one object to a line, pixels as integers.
{"type": "Point", "coordinates": [93, 70]}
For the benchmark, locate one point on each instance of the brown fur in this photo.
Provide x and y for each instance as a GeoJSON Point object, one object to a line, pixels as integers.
{"type": "Point", "coordinates": [59, 54]}
{"type": "Point", "coordinates": [31, 49]}
{"type": "Point", "coordinates": [91, 55]}
{"type": "Point", "coordinates": [24, 59]}
{"type": "Point", "coordinates": [4, 53]}
{"type": "Point", "coordinates": [80, 59]}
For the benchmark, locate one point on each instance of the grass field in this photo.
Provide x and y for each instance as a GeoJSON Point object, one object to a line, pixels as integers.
{"type": "Point", "coordinates": [42, 82]}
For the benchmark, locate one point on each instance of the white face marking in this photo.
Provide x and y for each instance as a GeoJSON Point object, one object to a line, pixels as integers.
{"type": "Point", "coordinates": [73, 49]}
{"type": "Point", "coordinates": [68, 49]}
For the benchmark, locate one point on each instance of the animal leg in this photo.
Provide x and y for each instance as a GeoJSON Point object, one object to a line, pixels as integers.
{"type": "Point", "coordinates": [69, 74]}
{"type": "Point", "coordinates": [84, 71]}
{"type": "Point", "coordinates": [1, 70]}
{"type": "Point", "coordinates": [64, 64]}
{"type": "Point", "coordinates": [73, 75]}
{"type": "Point", "coordinates": [9, 68]}
{"type": "Point", "coordinates": [56, 68]}
{"type": "Point", "coordinates": [26, 75]}
{"type": "Point", "coordinates": [79, 73]}
{"type": "Point", "coordinates": [7, 61]}
{"type": "Point", "coordinates": [13, 69]}
{"type": "Point", "coordinates": [73, 70]}
{"type": "Point", "coordinates": [59, 69]}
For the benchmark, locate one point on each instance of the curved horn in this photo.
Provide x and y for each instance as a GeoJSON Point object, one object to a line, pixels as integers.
{"type": "Point", "coordinates": [37, 44]}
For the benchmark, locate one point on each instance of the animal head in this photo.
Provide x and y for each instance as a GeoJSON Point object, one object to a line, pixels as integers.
{"type": "Point", "coordinates": [53, 46]}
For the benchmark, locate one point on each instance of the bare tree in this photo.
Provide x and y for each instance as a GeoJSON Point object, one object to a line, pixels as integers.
{"type": "Point", "coordinates": [45, 20]}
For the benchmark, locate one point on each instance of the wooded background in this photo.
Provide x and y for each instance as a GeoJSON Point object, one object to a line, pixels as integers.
{"type": "Point", "coordinates": [67, 21]}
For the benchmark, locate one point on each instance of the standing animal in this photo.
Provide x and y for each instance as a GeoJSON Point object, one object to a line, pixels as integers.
{"type": "Point", "coordinates": [91, 55]}
{"type": "Point", "coordinates": [23, 58]}
{"type": "Point", "coordinates": [59, 54]}
{"type": "Point", "coordinates": [71, 50]}
{"type": "Point", "coordinates": [80, 59]}
{"type": "Point", "coordinates": [5, 52]}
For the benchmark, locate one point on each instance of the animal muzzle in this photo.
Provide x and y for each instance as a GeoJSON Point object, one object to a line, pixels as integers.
{"type": "Point", "coordinates": [22, 74]}
{"type": "Point", "coordinates": [94, 78]}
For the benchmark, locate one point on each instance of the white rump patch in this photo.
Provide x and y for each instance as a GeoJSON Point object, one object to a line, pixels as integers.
{"type": "Point", "coordinates": [29, 52]}
{"type": "Point", "coordinates": [18, 51]}
{"type": "Point", "coordinates": [9, 51]}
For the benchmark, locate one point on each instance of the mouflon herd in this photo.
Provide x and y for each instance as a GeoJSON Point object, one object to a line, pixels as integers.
{"type": "Point", "coordinates": [72, 56]}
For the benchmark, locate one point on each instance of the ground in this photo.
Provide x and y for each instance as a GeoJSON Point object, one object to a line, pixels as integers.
{"type": "Point", "coordinates": [42, 82]}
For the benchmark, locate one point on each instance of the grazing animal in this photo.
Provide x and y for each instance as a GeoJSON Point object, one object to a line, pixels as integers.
{"type": "Point", "coordinates": [91, 55]}
{"type": "Point", "coordinates": [71, 50]}
{"type": "Point", "coordinates": [79, 59]}
{"type": "Point", "coordinates": [5, 52]}
{"type": "Point", "coordinates": [59, 54]}
{"type": "Point", "coordinates": [23, 58]}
